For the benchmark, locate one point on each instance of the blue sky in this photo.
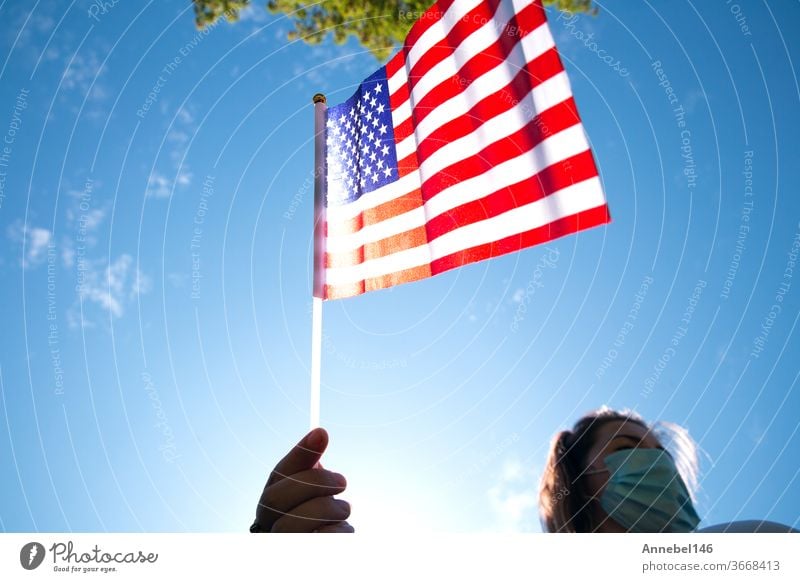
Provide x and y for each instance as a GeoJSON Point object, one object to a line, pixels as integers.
{"type": "Point", "coordinates": [155, 215]}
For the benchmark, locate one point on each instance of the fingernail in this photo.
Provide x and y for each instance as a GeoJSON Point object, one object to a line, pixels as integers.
{"type": "Point", "coordinates": [344, 508]}
{"type": "Point", "coordinates": [314, 440]}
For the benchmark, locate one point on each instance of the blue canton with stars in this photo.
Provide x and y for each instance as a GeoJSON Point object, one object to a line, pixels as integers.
{"type": "Point", "coordinates": [360, 142]}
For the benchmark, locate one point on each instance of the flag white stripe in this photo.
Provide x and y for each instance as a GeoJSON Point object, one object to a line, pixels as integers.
{"type": "Point", "coordinates": [566, 202]}
{"type": "Point", "coordinates": [555, 148]}
{"type": "Point", "coordinates": [401, 113]}
{"type": "Point", "coordinates": [393, 263]}
{"type": "Point", "coordinates": [406, 147]}
{"type": "Point", "coordinates": [439, 30]}
{"type": "Point", "coordinates": [397, 80]}
{"type": "Point", "coordinates": [490, 131]}
{"type": "Point", "coordinates": [375, 232]}
{"type": "Point", "coordinates": [401, 187]}
{"type": "Point", "coordinates": [475, 43]}
{"type": "Point", "coordinates": [534, 45]}
{"type": "Point", "coordinates": [545, 95]}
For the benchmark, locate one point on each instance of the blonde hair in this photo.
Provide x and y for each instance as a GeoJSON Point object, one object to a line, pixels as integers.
{"type": "Point", "coordinates": [564, 507]}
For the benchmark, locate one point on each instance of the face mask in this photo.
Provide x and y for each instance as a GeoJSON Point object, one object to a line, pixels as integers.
{"type": "Point", "coordinates": [645, 492]}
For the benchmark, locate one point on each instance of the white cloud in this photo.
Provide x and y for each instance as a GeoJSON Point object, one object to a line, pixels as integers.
{"type": "Point", "coordinates": [67, 253]}
{"type": "Point", "coordinates": [185, 116]}
{"type": "Point", "coordinates": [34, 241]}
{"type": "Point", "coordinates": [158, 186]}
{"type": "Point", "coordinates": [109, 286]}
{"type": "Point", "coordinates": [92, 219]}
{"type": "Point", "coordinates": [184, 177]}
{"type": "Point", "coordinates": [43, 23]}
{"type": "Point", "coordinates": [27, 27]}
{"type": "Point", "coordinates": [692, 98]}
{"type": "Point", "coordinates": [140, 285]}
{"type": "Point", "coordinates": [81, 71]}
{"type": "Point", "coordinates": [179, 135]}
{"type": "Point", "coordinates": [513, 498]}
{"type": "Point", "coordinates": [256, 13]}
{"type": "Point", "coordinates": [38, 239]}
{"type": "Point", "coordinates": [83, 218]}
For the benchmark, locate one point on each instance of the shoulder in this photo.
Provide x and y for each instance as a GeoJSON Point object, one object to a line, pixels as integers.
{"type": "Point", "coordinates": [748, 526]}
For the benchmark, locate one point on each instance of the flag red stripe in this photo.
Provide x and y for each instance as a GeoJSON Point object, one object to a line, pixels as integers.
{"type": "Point", "coordinates": [342, 291]}
{"type": "Point", "coordinates": [552, 179]}
{"type": "Point", "coordinates": [479, 64]}
{"type": "Point", "coordinates": [407, 165]}
{"type": "Point", "coordinates": [430, 17]}
{"type": "Point", "coordinates": [552, 121]}
{"type": "Point", "coordinates": [398, 278]}
{"type": "Point", "coordinates": [375, 283]}
{"type": "Point", "coordinates": [375, 250]}
{"type": "Point", "coordinates": [556, 229]}
{"type": "Point", "coordinates": [482, 14]}
{"type": "Point", "coordinates": [405, 129]}
{"type": "Point", "coordinates": [377, 214]}
{"type": "Point", "coordinates": [397, 62]}
{"type": "Point", "coordinates": [498, 102]}
{"type": "Point", "coordinates": [531, 75]}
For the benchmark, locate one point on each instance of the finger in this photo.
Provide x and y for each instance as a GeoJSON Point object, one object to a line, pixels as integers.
{"type": "Point", "coordinates": [318, 512]}
{"type": "Point", "coordinates": [303, 456]}
{"type": "Point", "coordinates": [295, 490]}
{"type": "Point", "coordinates": [341, 527]}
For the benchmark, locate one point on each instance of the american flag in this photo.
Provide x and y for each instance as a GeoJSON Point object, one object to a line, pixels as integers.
{"type": "Point", "coordinates": [466, 145]}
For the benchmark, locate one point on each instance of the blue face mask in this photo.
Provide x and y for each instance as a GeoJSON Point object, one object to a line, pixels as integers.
{"type": "Point", "coordinates": [645, 492]}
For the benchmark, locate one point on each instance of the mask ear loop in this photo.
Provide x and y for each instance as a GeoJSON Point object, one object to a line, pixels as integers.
{"type": "Point", "coordinates": [594, 472]}
{"type": "Point", "coordinates": [594, 498]}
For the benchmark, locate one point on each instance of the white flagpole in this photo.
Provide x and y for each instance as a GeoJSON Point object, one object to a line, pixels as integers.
{"type": "Point", "coordinates": [316, 345]}
{"type": "Point", "coordinates": [320, 106]}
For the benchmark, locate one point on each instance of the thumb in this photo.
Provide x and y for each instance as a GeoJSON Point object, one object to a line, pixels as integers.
{"type": "Point", "coordinates": [304, 455]}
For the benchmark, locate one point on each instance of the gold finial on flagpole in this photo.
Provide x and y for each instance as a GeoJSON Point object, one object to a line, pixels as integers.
{"type": "Point", "coordinates": [319, 98]}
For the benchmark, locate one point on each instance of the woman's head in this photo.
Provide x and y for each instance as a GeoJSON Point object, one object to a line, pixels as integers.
{"type": "Point", "coordinates": [576, 475]}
